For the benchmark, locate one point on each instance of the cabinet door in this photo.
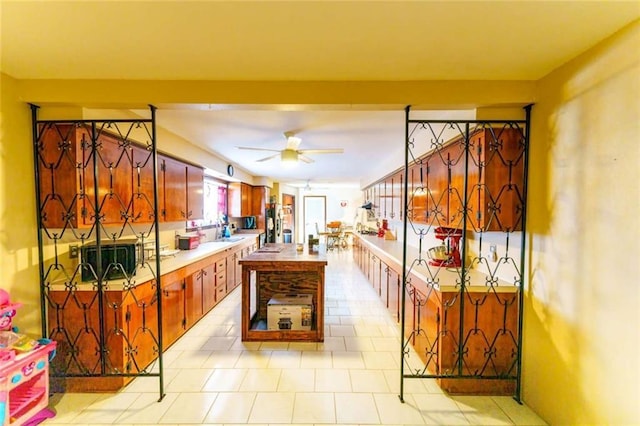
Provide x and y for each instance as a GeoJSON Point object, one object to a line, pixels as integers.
{"type": "Point", "coordinates": [456, 155]}
{"type": "Point", "coordinates": [231, 272]}
{"type": "Point", "coordinates": [418, 193]}
{"type": "Point", "coordinates": [393, 293]}
{"type": "Point", "coordinates": [195, 193]}
{"type": "Point", "coordinates": [427, 341]}
{"type": "Point", "coordinates": [245, 199]}
{"type": "Point", "coordinates": [384, 283]}
{"type": "Point", "coordinates": [142, 314]}
{"type": "Point", "coordinates": [208, 287]}
{"type": "Point", "coordinates": [374, 273]}
{"type": "Point", "coordinates": [175, 190]}
{"type": "Point", "coordinates": [409, 312]}
{"type": "Point", "coordinates": [173, 312]}
{"type": "Point", "coordinates": [143, 187]}
{"type": "Point", "coordinates": [500, 205]}
{"type": "Point", "coordinates": [234, 204]}
{"type": "Point", "coordinates": [115, 181]}
{"type": "Point", "coordinates": [438, 189]}
{"type": "Point", "coordinates": [61, 174]}
{"type": "Point", "coordinates": [193, 298]}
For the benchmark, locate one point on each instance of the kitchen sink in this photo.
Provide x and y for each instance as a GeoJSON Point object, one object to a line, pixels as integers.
{"type": "Point", "coordinates": [230, 239]}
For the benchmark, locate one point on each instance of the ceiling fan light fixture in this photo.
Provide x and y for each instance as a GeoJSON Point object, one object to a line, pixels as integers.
{"type": "Point", "coordinates": [289, 156]}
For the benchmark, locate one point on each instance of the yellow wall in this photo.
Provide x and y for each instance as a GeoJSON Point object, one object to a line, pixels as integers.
{"type": "Point", "coordinates": [581, 350]}
{"type": "Point", "coordinates": [18, 239]}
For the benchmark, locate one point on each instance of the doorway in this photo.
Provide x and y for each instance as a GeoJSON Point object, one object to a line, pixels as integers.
{"type": "Point", "coordinates": [288, 217]}
{"type": "Point", "coordinates": [315, 212]}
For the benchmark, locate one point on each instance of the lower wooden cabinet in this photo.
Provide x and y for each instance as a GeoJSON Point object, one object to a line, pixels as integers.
{"type": "Point", "coordinates": [130, 320]}
{"type": "Point", "coordinates": [432, 325]}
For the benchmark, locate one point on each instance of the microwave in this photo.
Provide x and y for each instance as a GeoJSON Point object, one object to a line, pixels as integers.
{"type": "Point", "coordinates": [118, 259]}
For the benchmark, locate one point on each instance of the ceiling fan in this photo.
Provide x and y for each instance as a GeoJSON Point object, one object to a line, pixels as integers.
{"type": "Point", "coordinates": [291, 153]}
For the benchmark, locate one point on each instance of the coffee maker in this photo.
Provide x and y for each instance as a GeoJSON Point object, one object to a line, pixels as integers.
{"type": "Point", "coordinates": [448, 253]}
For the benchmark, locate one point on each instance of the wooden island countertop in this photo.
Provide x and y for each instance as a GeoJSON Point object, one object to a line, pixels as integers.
{"type": "Point", "coordinates": [281, 269]}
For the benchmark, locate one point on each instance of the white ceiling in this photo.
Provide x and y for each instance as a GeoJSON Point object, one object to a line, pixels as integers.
{"type": "Point", "coordinates": [300, 41]}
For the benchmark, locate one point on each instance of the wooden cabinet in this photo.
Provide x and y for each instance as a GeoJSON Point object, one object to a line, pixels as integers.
{"type": "Point", "coordinates": [143, 185]}
{"type": "Point", "coordinates": [221, 279]}
{"type": "Point", "coordinates": [112, 160]}
{"type": "Point", "coordinates": [437, 189]}
{"type": "Point", "coordinates": [195, 192]}
{"type": "Point", "coordinates": [67, 164]}
{"type": "Point", "coordinates": [173, 307]}
{"type": "Point", "coordinates": [182, 187]}
{"type": "Point", "coordinates": [239, 199]}
{"type": "Point", "coordinates": [193, 297]}
{"type": "Point", "coordinates": [142, 319]}
{"type": "Point", "coordinates": [374, 272]}
{"type": "Point", "coordinates": [394, 285]}
{"type": "Point", "coordinates": [60, 162]}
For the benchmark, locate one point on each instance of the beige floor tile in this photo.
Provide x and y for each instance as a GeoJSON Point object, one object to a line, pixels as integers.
{"type": "Point", "coordinates": [225, 380]}
{"type": "Point", "coordinates": [222, 359]}
{"type": "Point", "coordinates": [358, 408]}
{"type": "Point", "coordinates": [260, 380]}
{"type": "Point", "coordinates": [439, 409]}
{"type": "Point", "coordinates": [253, 359]}
{"type": "Point", "coordinates": [314, 408]}
{"type": "Point", "coordinates": [231, 407]}
{"type": "Point", "coordinates": [392, 410]}
{"type": "Point", "coordinates": [284, 359]}
{"type": "Point", "coordinates": [189, 380]}
{"type": "Point", "coordinates": [189, 407]}
{"type": "Point", "coordinates": [359, 344]}
{"type": "Point", "coordinates": [68, 405]}
{"type": "Point", "coordinates": [191, 359]}
{"type": "Point", "coordinates": [106, 409]}
{"type": "Point", "coordinates": [316, 360]}
{"type": "Point", "coordinates": [366, 330]}
{"type": "Point", "coordinates": [480, 410]}
{"type": "Point", "coordinates": [520, 414]}
{"type": "Point", "coordinates": [303, 346]}
{"type": "Point", "coordinates": [272, 407]}
{"type": "Point", "coordinates": [386, 344]}
{"type": "Point", "coordinates": [341, 330]}
{"type": "Point", "coordinates": [219, 343]}
{"type": "Point", "coordinates": [368, 381]}
{"type": "Point", "coordinates": [332, 344]}
{"type": "Point", "coordinates": [380, 360]}
{"type": "Point", "coordinates": [297, 380]}
{"type": "Point", "coordinates": [146, 409]}
{"type": "Point", "coordinates": [335, 380]}
{"type": "Point", "coordinates": [348, 360]}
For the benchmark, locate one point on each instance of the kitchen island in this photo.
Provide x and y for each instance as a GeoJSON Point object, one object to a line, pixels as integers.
{"type": "Point", "coordinates": [280, 269]}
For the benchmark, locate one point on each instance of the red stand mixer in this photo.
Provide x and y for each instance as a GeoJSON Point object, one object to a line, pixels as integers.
{"type": "Point", "coordinates": [448, 253]}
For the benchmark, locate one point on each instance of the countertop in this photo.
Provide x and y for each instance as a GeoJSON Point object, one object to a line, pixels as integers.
{"type": "Point", "coordinates": [284, 253]}
{"type": "Point", "coordinates": [146, 271]}
{"type": "Point", "coordinates": [443, 279]}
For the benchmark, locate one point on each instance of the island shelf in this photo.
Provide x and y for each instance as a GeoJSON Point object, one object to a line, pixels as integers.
{"type": "Point", "coordinates": [280, 269]}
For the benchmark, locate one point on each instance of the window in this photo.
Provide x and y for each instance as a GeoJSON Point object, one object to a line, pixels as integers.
{"type": "Point", "coordinates": [215, 204]}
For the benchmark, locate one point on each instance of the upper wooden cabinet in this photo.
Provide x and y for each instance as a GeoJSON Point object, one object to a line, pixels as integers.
{"type": "Point", "coordinates": [69, 192]}
{"type": "Point", "coordinates": [60, 167]}
{"type": "Point", "coordinates": [143, 187]}
{"type": "Point", "coordinates": [247, 200]}
{"type": "Point", "coordinates": [494, 183]}
{"type": "Point", "coordinates": [182, 186]}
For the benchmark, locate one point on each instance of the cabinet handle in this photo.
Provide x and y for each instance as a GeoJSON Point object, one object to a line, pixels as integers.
{"type": "Point", "coordinates": [183, 214]}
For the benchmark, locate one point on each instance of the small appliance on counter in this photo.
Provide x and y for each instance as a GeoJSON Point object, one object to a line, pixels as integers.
{"type": "Point", "coordinates": [188, 242]}
{"type": "Point", "coordinates": [448, 253]}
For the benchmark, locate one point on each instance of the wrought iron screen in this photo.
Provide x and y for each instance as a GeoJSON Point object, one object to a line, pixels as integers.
{"type": "Point", "coordinates": [97, 197]}
{"type": "Point", "coordinates": [465, 196]}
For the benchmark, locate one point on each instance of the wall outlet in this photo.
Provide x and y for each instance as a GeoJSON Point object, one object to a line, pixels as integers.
{"type": "Point", "coordinates": [493, 252]}
{"type": "Point", "coordinates": [73, 251]}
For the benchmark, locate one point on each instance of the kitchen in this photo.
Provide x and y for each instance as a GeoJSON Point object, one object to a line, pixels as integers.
{"type": "Point", "coordinates": [562, 266]}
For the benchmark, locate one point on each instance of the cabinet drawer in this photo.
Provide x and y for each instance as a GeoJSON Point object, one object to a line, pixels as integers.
{"type": "Point", "coordinates": [221, 265]}
{"type": "Point", "coordinates": [221, 278]}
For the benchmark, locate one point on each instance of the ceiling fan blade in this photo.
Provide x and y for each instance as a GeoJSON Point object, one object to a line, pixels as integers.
{"type": "Point", "coordinates": [304, 158]}
{"type": "Point", "coordinates": [267, 158]}
{"type": "Point", "coordinates": [321, 151]}
{"type": "Point", "coordinates": [257, 149]}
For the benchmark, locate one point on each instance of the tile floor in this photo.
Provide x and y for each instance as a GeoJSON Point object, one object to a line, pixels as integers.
{"type": "Point", "coordinates": [212, 377]}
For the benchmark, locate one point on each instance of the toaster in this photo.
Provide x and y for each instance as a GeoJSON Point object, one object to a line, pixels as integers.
{"type": "Point", "coordinates": [188, 242]}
